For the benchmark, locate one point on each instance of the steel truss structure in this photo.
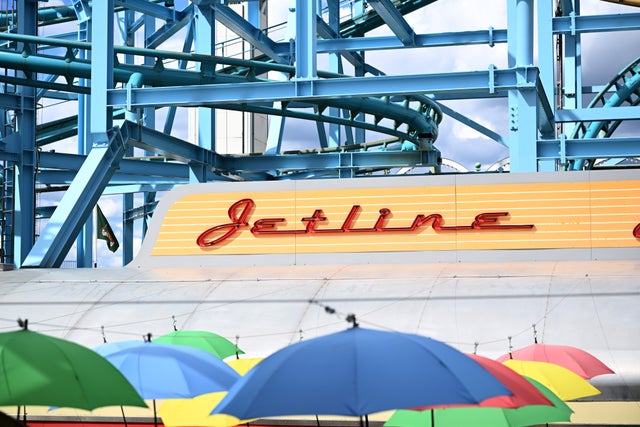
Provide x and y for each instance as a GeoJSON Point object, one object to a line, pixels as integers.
{"type": "Point", "coordinates": [114, 83]}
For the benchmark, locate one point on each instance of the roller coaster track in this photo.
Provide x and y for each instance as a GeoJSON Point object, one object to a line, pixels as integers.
{"type": "Point", "coordinates": [411, 121]}
{"type": "Point", "coordinates": [623, 89]}
{"type": "Point", "coordinates": [419, 121]}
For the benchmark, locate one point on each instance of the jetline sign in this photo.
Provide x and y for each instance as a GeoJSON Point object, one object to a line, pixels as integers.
{"type": "Point", "coordinates": [564, 210]}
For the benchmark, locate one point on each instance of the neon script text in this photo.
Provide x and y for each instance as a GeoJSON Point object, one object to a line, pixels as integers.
{"type": "Point", "coordinates": [240, 211]}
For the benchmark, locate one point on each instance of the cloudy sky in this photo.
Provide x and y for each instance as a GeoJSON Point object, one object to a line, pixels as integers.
{"type": "Point", "coordinates": [603, 56]}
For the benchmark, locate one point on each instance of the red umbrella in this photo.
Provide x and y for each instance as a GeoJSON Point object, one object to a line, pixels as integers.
{"type": "Point", "coordinates": [579, 361]}
{"type": "Point", "coordinates": [523, 392]}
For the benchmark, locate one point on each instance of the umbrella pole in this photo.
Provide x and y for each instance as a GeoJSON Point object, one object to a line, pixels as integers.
{"type": "Point", "coordinates": [123, 416]}
{"type": "Point", "coordinates": [155, 414]}
{"type": "Point", "coordinates": [317, 421]}
{"type": "Point", "coordinates": [433, 418]}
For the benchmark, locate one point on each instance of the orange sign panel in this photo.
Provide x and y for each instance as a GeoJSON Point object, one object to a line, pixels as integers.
{"type": "Point", "coordinates": [412, 218]}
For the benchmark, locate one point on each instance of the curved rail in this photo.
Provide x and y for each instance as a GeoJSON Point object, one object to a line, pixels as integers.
{"type": "Point", "coordinates": [421, 121]}
{"type": "Point", "coordinates": [623, 89]}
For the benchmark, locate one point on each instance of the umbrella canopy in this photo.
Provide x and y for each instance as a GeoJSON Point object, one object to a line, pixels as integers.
{"type": "Point", "coordinates": [243, 365]}
{"type": "Point", "coordinates": [563, 382]}
{"type": "Point", "coordinates": [523, 392]}
{"type": "Point", "coordinates": [215, 344]}
{"type": "Point", "coordinates": [357, 372]}
{"type": "Point", "coordinates": [37, 369]}
{"type": "Point", "coordinates": [577, 360]}
{"type": "Point", "coordinates": [479, 416]}
{"type": "Point", "coordinates": [162, 371]}
{"type": "Point", "coordinates": [196, 412]}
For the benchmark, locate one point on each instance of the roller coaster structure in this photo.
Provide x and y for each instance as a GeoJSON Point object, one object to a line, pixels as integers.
{"type": "Point", "coordinates": [114, 90]}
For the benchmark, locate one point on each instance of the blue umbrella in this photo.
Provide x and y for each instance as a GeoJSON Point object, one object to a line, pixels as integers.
{"type": "Point", "coordinates": [358, 372]}
{"type": "Point", "coordinates": [163, 371]}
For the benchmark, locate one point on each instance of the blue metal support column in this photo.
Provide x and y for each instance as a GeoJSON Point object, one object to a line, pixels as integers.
{"type": "Point", "coordinates": [128, 39]}
{"type": "Point", "coordinates": [523, 129]}
{"type": "Point", "coordinates": [546, 60]}
{"type": "Point", "coordinates": [84, 243]}
{"type": "Point", "coordinates": [360, 70]}
{"type": "Point", "coordinates": [101, 70]}
{"type": "Point", "coordinates": [204, 43]}
{"type": "Point", "coordinates": [570, 60]}
{"type": "Point", "coordinates": [276, 123]}
{"type": "Point", "coordinates": [77, 203]}
{"type": "Point", "coordinates": [335, 65]}
{"type": "Point", "coordinates": [25, 170]}
{"type": "Point", "coordinates": [149, 119]}
{"type": "Point", "coordinates": [306, 51]}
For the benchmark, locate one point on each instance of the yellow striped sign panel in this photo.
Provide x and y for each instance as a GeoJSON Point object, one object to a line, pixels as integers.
{"type": "Point", "coordinates": [540, 215]}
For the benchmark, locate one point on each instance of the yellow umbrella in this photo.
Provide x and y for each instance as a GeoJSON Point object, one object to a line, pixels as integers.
{"type": "Point", "coordinates": [196, 411]}
{"type": "Point", "coordinates": [243, 365]}
{"type": "Point", "coordinates": [564, 383]}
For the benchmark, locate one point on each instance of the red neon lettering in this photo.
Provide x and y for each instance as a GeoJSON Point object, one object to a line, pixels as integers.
{"type": "Point", "coordinates": [489, 221]}
{"type": "Point", "coordinates": [245, 205]}
{"type": "Point", "coordinates": [239, 215]}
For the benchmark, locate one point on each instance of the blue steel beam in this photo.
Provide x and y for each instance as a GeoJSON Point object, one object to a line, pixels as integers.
{"type": "Point", "coordinates": [596, 114]}
{"type": "Point", "coordinates": [575, 149]}
{"type": "Point", "coordinates": [10, 101]}
{"type": "Point", "coordinates": [472, 124]}
{"type": "Point", "coordinates": [152, 9]}
{"type": "Point", "coordinates": [479, 37]}
{"type": "Point", "coordinates": [142, 168]}
{"type": "Point", "coordinates": [327, 33]}
{"type": "Point", "coordinates": [236, 23]}
{"type": "Point", "coordinates": [394, 20]}
{"type": "Point", "coordinates": [169, 29]}
{"type": "Point", "coordinates": [337, 161]}
{"type": "Point", "coordinates": [76, 205]}
{"type": "Point", "coordinates": [362, 23]}
{"type": "Point", "coordinates": [596, 23]}
{"type": "Point", "coordinates": [462, 83]}
{"type": "Point", "coordinates": [163, 144]}
{"type": "Point", "coordinates": [151, 75]}
{"type": "Point", "coordinates": [53, 178]}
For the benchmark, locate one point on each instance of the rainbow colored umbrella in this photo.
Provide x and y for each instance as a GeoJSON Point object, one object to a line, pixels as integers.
{"type": "Point", "coordinates": [560, 380]}
{"type": "Point", "coordinates": [482, 416]}
{"type": "Point", "coordinates": [577, 360]}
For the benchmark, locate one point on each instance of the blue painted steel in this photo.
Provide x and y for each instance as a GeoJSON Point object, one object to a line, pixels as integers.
{"type": "Point", "coordinates": [76, 205]}
{"type": "Point", "coordinates": [403, 106]}
{"type": "Point", "coordinates": [306, 53]}
{"type": "Point", "coordinates": [394, 20]}
{"type": "Point", "coordinates": [246, 30]}
{"type": "Point", "coordinates": [21, 216]}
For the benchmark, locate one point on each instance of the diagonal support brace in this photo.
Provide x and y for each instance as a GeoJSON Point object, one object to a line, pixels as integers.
{"type": "Point", "coordinates": [76, 205]}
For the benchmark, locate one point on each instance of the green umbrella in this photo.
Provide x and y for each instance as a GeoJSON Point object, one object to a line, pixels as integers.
{"type": "Point", "coordinates": [215, 344]}
{"type": "Point", "coordinates": [37, 369]}
{"type": "Point", "coordinates": [478, 416]}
